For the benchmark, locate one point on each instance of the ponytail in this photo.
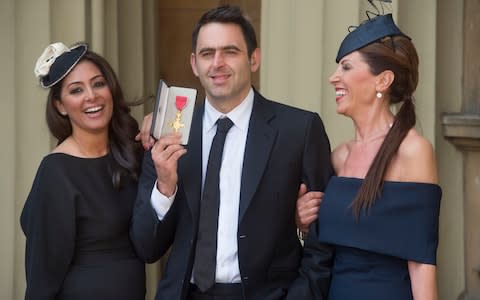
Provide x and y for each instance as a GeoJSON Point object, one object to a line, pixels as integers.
{"type": "Point", "coordinates": [401, 58]}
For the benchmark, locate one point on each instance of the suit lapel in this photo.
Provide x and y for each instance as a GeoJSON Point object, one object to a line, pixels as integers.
{"type": "Point", "coordinates": [191, 166]}
{"type": "Point", "coordinates": [260, 139]}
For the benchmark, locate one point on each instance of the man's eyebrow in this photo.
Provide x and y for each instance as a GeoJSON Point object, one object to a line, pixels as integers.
{"type": "Point", "coordinates": [206, 49]}
{"type": "Point", "coordinates": [228, 47]}
{"type": "Point", "coordinates": [231, 47]}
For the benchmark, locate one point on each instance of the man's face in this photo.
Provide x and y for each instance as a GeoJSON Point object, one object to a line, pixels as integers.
{"type": "Point", "coordinates": [222, 64]}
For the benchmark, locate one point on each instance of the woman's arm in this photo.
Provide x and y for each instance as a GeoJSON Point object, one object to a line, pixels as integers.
{"type": "Point", "coordinates": [417, 160]}
{"type": "Point", "coordinates": [48, 221]}
{"type": "Point", "coordinates": [423, 279]}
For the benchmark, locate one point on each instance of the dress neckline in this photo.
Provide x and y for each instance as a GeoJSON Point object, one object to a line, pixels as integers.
{"type": "Point", "coordinates": [63, 154]}
{"type": "Point", "coordinates": [360, 180]}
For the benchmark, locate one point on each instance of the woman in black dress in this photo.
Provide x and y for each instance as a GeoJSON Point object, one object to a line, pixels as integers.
{"type": "Point", "coordinates": [76, 218]}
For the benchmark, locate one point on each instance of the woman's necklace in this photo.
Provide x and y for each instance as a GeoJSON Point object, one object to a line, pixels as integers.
{"type": "Point", "coordinates": [374, 136]}
{"type": "Point", "coordinates": [92, 153]}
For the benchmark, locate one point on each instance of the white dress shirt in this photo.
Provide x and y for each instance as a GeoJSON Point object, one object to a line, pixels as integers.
{"type": "Point", "coordinates": [227, 270]}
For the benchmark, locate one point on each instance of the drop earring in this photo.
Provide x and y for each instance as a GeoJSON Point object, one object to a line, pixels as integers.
{"type": "Point", "coordinates": [379, 95]}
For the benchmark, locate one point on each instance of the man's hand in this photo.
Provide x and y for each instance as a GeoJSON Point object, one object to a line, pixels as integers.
{"type": "Point", "coordinates": [144, 134]}
{"type": "Point", "coordinates": [165, 154]}
{"type": "Point", "coordinates": [307, 207]}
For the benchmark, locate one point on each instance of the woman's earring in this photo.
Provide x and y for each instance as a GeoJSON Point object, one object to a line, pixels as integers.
{"type": "Point", "coordinates": [379, 95]}
{"type": "Point", "coordinates": [63, 113]}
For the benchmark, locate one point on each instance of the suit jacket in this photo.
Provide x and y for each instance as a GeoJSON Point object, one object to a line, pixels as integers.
{"type": "Point", "coordinates": [285, 146]}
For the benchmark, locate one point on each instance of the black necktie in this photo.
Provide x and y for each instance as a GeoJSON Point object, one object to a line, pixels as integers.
{"type": "Point", "coordinates": [206, 250]}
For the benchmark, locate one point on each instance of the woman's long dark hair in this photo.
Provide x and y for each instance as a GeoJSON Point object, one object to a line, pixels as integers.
{"type": "Point", "coordinates": [124, 152]}
{"type": "Point", "coordinates": [397, 54]}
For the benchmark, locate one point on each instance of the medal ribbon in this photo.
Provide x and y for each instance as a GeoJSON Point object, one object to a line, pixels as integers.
{"type": "Point", "coordinates": [180, 102]}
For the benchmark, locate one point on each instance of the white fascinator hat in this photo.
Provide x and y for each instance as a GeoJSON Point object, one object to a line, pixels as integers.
{"type": "Point", "coordinates": [56, 61]}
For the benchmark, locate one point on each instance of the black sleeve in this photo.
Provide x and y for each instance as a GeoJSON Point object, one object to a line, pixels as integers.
{"type": "Point", "coordinates": [317, 166]}
{"type": "Point", "coordinates": [48, 221]}
{"type": "Point", "coordinates": [150, 236]}
{"type": "Point", "coordinates": [314, 277]}
{"type": "Point", "coordinates": [315, 269]}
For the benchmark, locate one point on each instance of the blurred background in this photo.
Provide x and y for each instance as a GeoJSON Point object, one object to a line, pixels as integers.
{"type": "Point", "coordinates": [151, 39]}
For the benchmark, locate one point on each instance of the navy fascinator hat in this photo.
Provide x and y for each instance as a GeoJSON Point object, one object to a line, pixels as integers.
{"type": "Point", "coordinates": [56, 61]}
{"type": "Point", "coordinates": [368, 32]}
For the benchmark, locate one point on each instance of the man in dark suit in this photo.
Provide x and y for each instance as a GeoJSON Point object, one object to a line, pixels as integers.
{"type": "Point", "coordinates": [270, 150]}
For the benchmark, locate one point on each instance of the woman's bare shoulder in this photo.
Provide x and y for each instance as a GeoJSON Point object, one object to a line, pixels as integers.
{"type": "Point", "coordinates": [416, 158]}
{"type": "Point", "coordinates": [339, 156]}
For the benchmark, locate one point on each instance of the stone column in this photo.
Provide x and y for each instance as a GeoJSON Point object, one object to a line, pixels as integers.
{"type": "Point", "coordinates": [463, 130]}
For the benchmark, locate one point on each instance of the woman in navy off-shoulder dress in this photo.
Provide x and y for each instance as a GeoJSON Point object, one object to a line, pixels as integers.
{"type": "Point", "coordinates": [379, 215]}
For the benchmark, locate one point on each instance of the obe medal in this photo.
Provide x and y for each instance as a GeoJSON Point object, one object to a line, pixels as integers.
{"type": "Point", "coordinates": [180, 102]}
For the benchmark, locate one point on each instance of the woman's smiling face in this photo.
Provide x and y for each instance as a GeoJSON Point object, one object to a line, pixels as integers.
{"type": "Point", "coordinates": [86, 98]}
{"type": "Point", "coordinates": [354, 84]}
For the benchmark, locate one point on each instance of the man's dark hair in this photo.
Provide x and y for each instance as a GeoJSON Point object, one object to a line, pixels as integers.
{"type": "Point", "coordinates": [227, 14]}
